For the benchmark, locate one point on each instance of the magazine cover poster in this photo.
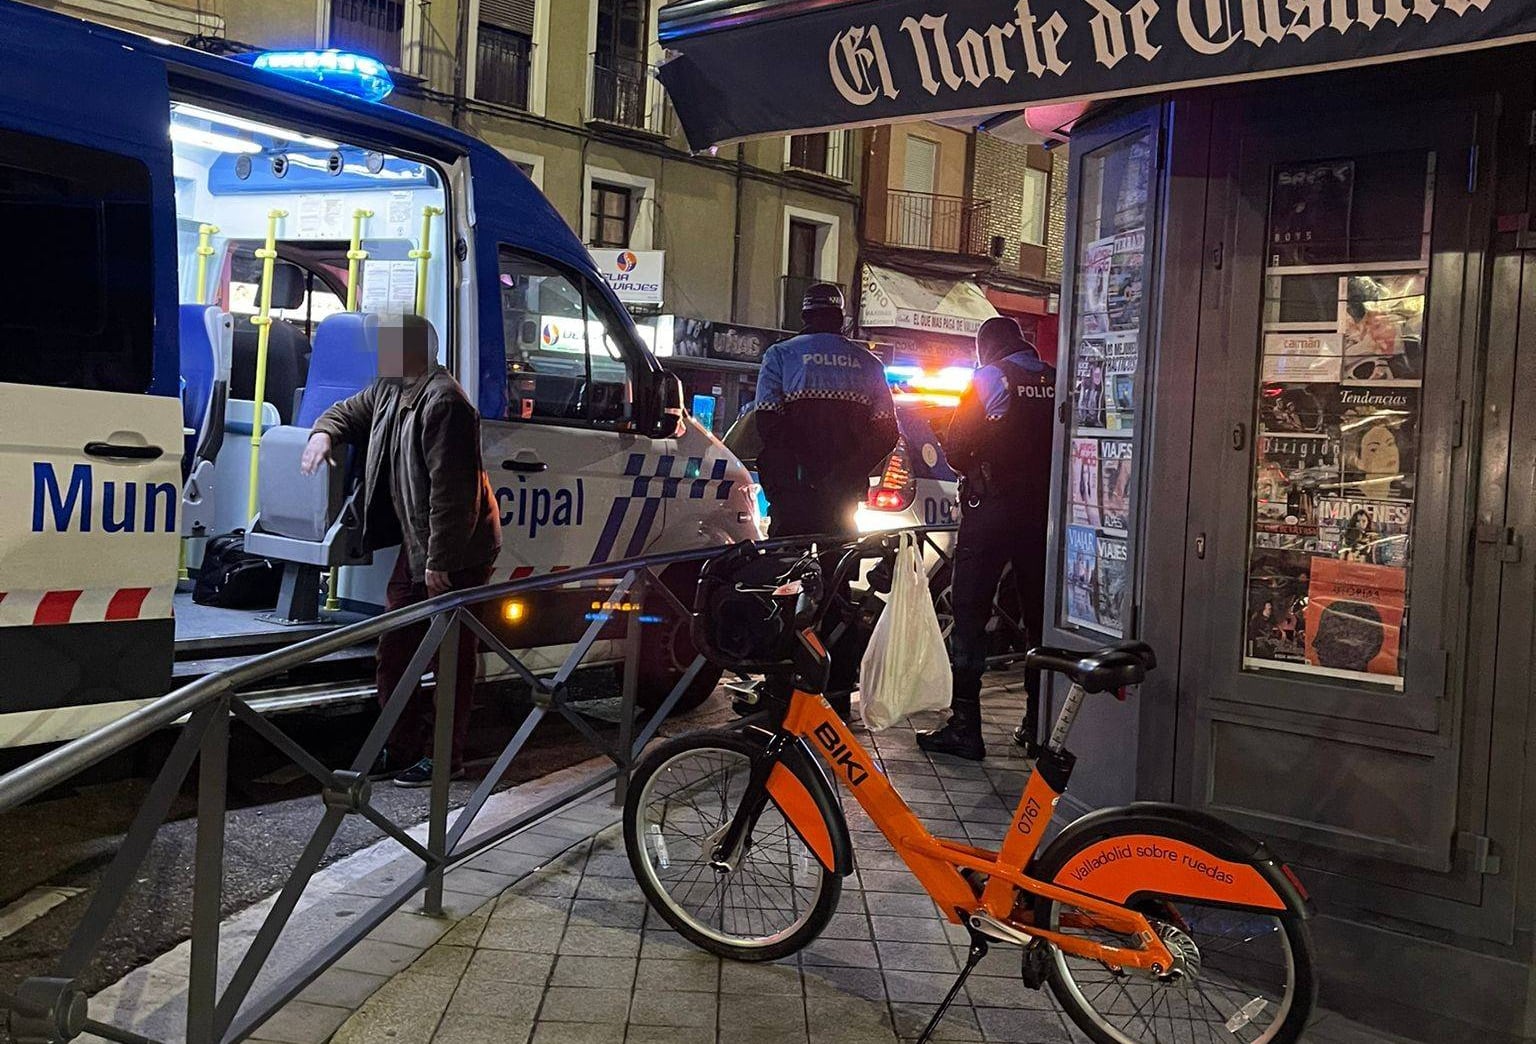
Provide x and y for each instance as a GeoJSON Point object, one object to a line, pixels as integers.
{"type": "Point", "coordinates": [1370, 531]}
{"type": "Point", "coordinates": [1085, 482]}
{"type": "Point", "coordinates": [1304, 357]}
{"type": "Point", "coordinates": [1115, 483]}
{"type": "Point", "coordinates": [1298, 408]}
{"type": "Point", "coordinates": [1309, 213]}
{"type": "Point", "coordinates": [1293, 471]}
{"type": "Point", "coordinates": [1093, 278]}
{"type": "Point", "coordinates": [1089, 398]}
{"type": "Point", "coordinates": [1379, 428]}
{"type": "Point", "coordinates": [1381, 322]}
{"type": "Point", "coordinates": [1082, 575]}
{"type": "Point", "coordinates": [1121, 354]}
{"type": "Point", "coordinates": [1355, 616]}
{"type": "Point", "coordinates": [1110, 600]}
{"type": "Point", "coordinates": [1277, 603]}
{"type": "Point", "coordinates": [1125, 280]}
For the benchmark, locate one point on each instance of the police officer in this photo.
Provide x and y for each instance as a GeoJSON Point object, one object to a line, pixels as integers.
{"type": "Point", "coordinates": [1000, 443]}
{"type": "Point", "coordinates": [826, 421]}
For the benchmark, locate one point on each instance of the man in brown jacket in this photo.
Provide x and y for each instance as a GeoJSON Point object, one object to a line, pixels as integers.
{"type": "Point", "coordinates": [425, 489]}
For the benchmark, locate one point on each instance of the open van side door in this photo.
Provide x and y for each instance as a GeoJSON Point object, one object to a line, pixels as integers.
{"type": "Point", "coordinates": [91, 429]}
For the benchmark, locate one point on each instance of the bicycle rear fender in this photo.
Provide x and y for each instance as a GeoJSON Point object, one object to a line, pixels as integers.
{"type": "Point", "coordinates": [1150, 848]}
{"type": "Point", "coordinates": [802, 791]}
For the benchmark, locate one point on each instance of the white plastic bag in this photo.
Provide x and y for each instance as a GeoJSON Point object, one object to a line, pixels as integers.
{"type": "Point", "coordinates": [906, 667]}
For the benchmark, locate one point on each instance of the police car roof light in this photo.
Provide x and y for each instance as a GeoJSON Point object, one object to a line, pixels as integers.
{"type": "Point", "coordinates": [355, 74]}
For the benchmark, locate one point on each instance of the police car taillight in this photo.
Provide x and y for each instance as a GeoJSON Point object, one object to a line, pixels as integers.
{"type": "Point", "coordinates": [896, 488]}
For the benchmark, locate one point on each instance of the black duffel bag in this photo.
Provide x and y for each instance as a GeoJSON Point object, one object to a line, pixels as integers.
{"type": "Point", "coordinates": [232, 579]}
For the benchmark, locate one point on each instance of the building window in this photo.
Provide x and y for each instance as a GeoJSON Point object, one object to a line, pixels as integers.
{"type": "Point", "coordinates": [810, 256]}
{"type": "Point", "coordinates": [504, 59]}
{"type": "Point", "coordinates": [824, 153]}
{"type": "Point", "coordinates": [372, 27]}
{"type": "Point", "coordinates": [612, 215]}
{"type": "Point", "coordinates": [1033, 223]}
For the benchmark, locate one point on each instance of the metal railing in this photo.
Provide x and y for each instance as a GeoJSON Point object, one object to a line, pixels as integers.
{"type": "Point", "coordinates": [503, 67]}
{"type": "Point", "coordinates": [621, 91]}
{"type": "Point", "coordinates": [220, 1009]}
{"type": "Point", "coordinates": [929, 221]}
{"type": "Point", "coordinates": [826, 153]}
{"type": "Point", "coordinates": [373, 27]}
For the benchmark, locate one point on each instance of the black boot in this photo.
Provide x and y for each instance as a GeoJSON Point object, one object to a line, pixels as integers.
{"type": "Point", "coordinates": [1026, 735]}
{"type": "Point", "coordinates": [961, 736]}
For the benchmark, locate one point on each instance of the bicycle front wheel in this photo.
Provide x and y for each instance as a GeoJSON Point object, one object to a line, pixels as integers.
{"type": "Point", "coordinates": [682, 798]}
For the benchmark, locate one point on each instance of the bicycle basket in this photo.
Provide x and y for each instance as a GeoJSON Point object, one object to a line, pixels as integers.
{"type": "Point", "coordinates": [738, 624]}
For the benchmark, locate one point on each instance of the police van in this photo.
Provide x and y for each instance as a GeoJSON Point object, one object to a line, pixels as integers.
{"type": "Point", "coordinates": [198, 252]}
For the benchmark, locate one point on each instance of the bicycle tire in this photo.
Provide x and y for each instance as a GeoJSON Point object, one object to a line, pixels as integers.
{"type": "Point", "coordinates": [733, 749]}
{"type": "Point", "coordinates": [1293, 948]}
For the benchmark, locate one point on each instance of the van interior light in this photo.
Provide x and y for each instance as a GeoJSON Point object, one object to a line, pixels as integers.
{"type": "Point", "coordinates": [206, 139]}
{"type": "Point", "coordinates": [254, 127]}
{"type": "Point", "coordinates": [355, 74]}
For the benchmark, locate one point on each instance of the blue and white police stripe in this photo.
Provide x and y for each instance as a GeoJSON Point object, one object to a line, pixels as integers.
{"type": "Point", "coordinates": [654, 484]}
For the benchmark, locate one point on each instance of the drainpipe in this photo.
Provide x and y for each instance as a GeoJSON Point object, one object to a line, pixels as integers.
{"type": "Point", "coordinates": [460, 67]}
{"type": "Point", "coordinates": [736, 242]}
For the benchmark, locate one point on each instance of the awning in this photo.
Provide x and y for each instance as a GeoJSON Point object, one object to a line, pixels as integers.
{"type": "Point", "coordinates": [895, 300]}
{"type": "Point", "coordinates": [743, 68]}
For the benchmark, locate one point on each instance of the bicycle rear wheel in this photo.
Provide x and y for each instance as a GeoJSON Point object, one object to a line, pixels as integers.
{"type": "Point", "coordinates": [682, 797]}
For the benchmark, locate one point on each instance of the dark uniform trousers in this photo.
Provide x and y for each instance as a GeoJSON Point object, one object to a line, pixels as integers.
{"type": "Point", "coordinates": [996, 532]}
{"type": "Point", "coordinates": [808, 512]}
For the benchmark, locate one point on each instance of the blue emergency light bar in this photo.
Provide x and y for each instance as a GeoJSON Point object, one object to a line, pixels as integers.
{"type": "Point", "coordinates": [355, 74]}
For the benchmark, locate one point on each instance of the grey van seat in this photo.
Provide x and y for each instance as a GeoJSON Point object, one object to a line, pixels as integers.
{"type": "Point", "coordinates": [288, 351]}
{"type": "Point", "coordinates": [314, 522]}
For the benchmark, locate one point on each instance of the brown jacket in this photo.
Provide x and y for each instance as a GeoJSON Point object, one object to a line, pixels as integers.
{"type": "Point", "coordinates": [424, 485]}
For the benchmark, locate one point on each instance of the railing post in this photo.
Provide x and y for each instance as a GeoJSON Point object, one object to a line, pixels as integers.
{"type": "Point", "coordinates": [632, 640]}
{"type": "Point", "coordinates": [448, 667]}
{"type": "Point", "coordinates": [208, 877]}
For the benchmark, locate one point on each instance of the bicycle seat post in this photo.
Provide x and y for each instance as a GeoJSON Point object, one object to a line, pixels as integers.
{"type": "Point", "coordinates": [1064, 720]}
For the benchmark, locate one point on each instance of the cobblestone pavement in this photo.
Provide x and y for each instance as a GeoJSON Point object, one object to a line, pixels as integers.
{"type": "Point", "coordinates": [570, 953]}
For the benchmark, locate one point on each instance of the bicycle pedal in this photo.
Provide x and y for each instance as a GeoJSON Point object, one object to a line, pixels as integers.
{"type": "Point", "coordinates": [1036, 969]}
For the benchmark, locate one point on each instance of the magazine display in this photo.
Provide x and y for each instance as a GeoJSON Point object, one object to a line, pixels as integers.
{"type": "Point", "coordinates": [1110, 279]}
{"type": "Point", "coordinates": [1336, 452]}
{"type": "Point", "coordinates": [1115, 484]}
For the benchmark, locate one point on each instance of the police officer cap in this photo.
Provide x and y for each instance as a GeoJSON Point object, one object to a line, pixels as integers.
{"type": "Point", "coordinates": [822, 297]}
{"type": "Point", "coordinates": [1000, 337]}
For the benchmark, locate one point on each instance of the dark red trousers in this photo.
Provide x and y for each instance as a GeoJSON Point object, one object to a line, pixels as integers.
{"type": "Point", "coordinates": [412, 737]}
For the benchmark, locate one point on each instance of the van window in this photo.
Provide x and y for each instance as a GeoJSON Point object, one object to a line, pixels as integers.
{"type": "Point", "coordinates": [77, 311]}
{"type": "Point", "coordinates": [564, 360]}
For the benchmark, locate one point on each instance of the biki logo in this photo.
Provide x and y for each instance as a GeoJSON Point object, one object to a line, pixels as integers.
{"type": "Point", "coordinates": [626, 261]}
{"type": "Point", "coordinates": [839, 754]}
{"type": "Point", "coordinates": [551, 335]}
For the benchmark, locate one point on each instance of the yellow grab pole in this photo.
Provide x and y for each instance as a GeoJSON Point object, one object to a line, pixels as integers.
{"type": "Point", "coordinates": [263, 324]}
{"type": "Point", "coordinates": [204, 252]}
{"type": "Point", "coordinates": [355, 255]}
{"type": "Point", "coordinates": [423, 255]}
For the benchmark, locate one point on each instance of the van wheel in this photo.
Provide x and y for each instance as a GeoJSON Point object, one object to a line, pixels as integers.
{"type": "Point", "coordinates": [667, 650]}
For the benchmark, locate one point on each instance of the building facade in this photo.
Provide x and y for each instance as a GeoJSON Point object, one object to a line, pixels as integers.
{"type": "Point", "coordinates": [958, 226]}
{"type": "Point", "coordinates": [565, 89]}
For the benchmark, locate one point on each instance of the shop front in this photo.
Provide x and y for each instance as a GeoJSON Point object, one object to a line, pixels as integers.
{"type": "Point", "coordinates": [1297, 388]}
{"type": "Point", "coordinates": [717, 363]}
{"type": "Point", "coordinates": [921, 320]}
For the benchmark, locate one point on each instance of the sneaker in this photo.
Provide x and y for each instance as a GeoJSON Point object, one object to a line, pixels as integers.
{"type": "Point", "coordinates": [420, 774]}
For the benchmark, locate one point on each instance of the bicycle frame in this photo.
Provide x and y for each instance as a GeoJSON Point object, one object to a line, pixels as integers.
{"type": "Point", "coordinates": [937, 862]}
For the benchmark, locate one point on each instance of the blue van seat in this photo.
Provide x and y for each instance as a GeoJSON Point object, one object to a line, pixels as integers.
{"type": "Point", "coordinates": [199, 331]}
{"type": "Point", "coordinates": [344, 361]}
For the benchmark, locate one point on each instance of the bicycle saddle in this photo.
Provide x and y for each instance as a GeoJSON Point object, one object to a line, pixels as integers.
{"type": "Point", "coordinates": [1108, 669]}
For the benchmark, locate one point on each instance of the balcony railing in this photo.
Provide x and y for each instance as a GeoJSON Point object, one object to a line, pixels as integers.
{"type": "Point", "coordinates": [503, 67]}
{"type": "Point", "coordinates": [372, 27]}
{"type": "Point", "coordinates": [826, 153]}
{"type": "Point", "coordinates": [944, 224]}
{"type": "Point", "coordinates": [621, 91]}
{"type": "Point", "coordinates": [792, 292]}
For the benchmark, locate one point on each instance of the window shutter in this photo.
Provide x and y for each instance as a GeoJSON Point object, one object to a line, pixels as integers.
{"type": "Point", "coordinates": [516, 15]}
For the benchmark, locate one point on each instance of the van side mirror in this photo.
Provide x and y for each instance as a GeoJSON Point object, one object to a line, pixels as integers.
{"type": "Point", "coordinates": [668, 420]}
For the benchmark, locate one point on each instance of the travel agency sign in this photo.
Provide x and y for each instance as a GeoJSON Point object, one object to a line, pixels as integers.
{"type": "Point", "coordinates": [634, 275]}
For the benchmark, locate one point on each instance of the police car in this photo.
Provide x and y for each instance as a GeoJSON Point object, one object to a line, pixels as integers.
{"type": "Point", "coordinates": [209, 245]}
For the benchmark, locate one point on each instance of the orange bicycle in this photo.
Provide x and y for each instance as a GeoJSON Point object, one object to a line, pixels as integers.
{"type": "Point", "coordinates": [1151, 923]}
